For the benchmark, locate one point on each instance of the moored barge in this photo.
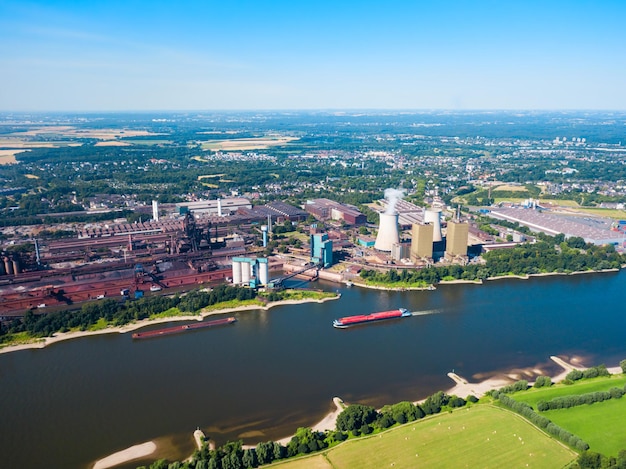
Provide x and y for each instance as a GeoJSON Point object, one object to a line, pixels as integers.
{"type": "Point", "coordinates": [183, 328]}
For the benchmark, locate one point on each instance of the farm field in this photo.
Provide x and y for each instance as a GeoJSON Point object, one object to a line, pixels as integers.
{"type": "Point", "coordinates": [318, 461]}
{"type": "Point", "coordinates": [240, 144]}
{"type": "Point", "coordinates": [478, 436]}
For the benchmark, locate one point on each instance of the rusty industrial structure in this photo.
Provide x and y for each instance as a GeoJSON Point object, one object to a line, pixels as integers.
{"type": "Point", "coordinates": [121, 260]}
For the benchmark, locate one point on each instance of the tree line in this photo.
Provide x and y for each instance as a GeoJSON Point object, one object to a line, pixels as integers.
{"type": "Point", "coordinates": [120, 313]}
{"type": "Point", "coordinates": [524, 259]}
{"type": "Point", "coordinates": [565, 402]}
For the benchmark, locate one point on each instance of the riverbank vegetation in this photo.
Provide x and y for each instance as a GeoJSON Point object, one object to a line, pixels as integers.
{"type": "Point", "coordinates": [567, 256]}
{"type": "Point", "coordinates": [106, 313]}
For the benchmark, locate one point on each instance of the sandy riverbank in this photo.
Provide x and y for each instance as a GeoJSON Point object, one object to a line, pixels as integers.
{"type": "Point", "coordinates": [464, 388]}
{"type": "Point", "coordinates": [61, 336]}
{"type": "Point", "coordinates": [127, 455]}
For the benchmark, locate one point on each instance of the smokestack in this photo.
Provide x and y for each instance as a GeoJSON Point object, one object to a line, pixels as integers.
{"type": "Point", "coordinates": [434, 217]}
{"type": "Point", "coordinates": [219, 207]}
{"type": "Point", "coordinates": [387, 232]}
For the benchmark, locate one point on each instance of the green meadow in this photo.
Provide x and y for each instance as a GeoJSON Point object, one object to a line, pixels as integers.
{"type": "Point", "coordinates": [478, 436]}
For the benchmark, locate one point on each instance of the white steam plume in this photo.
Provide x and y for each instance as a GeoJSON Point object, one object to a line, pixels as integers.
{"type": "Point", "coordinates": [393, 195]}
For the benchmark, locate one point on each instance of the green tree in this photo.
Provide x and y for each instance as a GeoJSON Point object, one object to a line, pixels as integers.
{"type": "Point", "coordinates": [355, 416]}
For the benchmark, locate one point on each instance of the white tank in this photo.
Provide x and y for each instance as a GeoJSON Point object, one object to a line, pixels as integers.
{"type": "Point", "coordinates": [245, 272]}
{"type": "Point", "coordinates": [434, 217]}
{"type": "Point", "coordinates": [264, 273]}
{"type": "Point", "coordinates": [387, 232]}
{"type": "Point", "coordinates": [236, 273]}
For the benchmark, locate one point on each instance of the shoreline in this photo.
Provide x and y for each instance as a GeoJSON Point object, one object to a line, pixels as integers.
{"type": "Point", "coordinates": [481, 282]}
{"type": "Point", "coordinates": [62, 336]}
{"type": "Point", "coordinates": [462, 388]}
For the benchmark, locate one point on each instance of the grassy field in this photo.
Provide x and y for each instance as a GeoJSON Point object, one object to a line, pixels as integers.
{"type": "Point", "coordinates": [318, 461]}
{"type": "Point", "coordinates": [479, 436]}
{"type": "Point", "coordinates": [601, 424]}
{"type": "Point", "coordinates": [532, 396]}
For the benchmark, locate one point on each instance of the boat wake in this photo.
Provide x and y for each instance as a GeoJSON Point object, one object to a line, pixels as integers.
{"type": "Point", "coordinates": [425, 313]}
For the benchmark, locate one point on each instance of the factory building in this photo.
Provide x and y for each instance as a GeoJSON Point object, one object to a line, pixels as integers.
{"type": "Point", "coordinates": [422, 241]}
{"type": "Point", "coordinates": [321, 249]}
{"type": "Point", "coordinates": [400, 251]}
{"type": "Point", "coordinates": [596, 231]}
{"type": "Point", "coordinates": [326, 209]}
{"type": "Point", "coordinates": [408, 213]}
{"type": "Point", "coordinates": [456, 239]}
{"type": "Point", "coordinates": [219, 207]}
{"type": "Point", "coordinates": [277, 211]}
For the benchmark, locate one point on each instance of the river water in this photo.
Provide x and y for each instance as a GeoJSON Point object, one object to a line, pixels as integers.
{"type": "Point", "coordinates": [77, 401]}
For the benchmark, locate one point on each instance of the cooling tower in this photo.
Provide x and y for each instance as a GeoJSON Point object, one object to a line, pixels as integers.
{"type": "Point", "coordinates": [387, 232]}
{"type": "Point", "coordinates": [434, 217]}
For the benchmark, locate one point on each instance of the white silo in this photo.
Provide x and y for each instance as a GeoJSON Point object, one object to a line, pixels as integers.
{"type": "Point", "coordinates": [434, 217]}
{"type": "Point", "coordinates": [236, 272]}
{"type": "Point", "coordinates": [387, 232]}
{"type": "Point", "coordinates": [245, 272]}
{"type": "Point", "coordinates": [264, 271]}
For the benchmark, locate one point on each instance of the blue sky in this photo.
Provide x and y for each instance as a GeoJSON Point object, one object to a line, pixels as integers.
{"type": "Point", "coordinates": [186, 55]}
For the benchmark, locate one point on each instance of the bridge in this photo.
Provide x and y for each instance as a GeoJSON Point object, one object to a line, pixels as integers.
{"type": "Point", "coordinates": [278, 282]}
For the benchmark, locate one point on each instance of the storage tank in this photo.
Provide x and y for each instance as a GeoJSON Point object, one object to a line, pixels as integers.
{"type": "Point", "coordinates": [8, 265]}
{"type": "Point", "coordinates": [387, 232]}
{"type": "Point", "coordinates": [245, 273]}
{"type": "Point", "coordinates": [236, 273]}
{"type": "Point", "coordinates": [264, 271]}
{"type": "Point", "coordinates": [434, 217]}
{"type": "Point", "coordinates": [16, 266]}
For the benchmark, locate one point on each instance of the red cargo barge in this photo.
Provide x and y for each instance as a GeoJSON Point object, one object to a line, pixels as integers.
{"type": "Point", "coordinates": [184, 328]}
{"type": "Point", "coordinates": [348, 321]}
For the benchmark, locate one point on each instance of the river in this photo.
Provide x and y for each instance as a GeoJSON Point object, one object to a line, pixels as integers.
{"type": "Point", "coordinates": [74, 402]}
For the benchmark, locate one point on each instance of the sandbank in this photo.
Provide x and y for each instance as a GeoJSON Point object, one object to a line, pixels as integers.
{"type": "Point", "coordinates": [61, 336]}
{"type": "Point", "coordinates": [127, 455]}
